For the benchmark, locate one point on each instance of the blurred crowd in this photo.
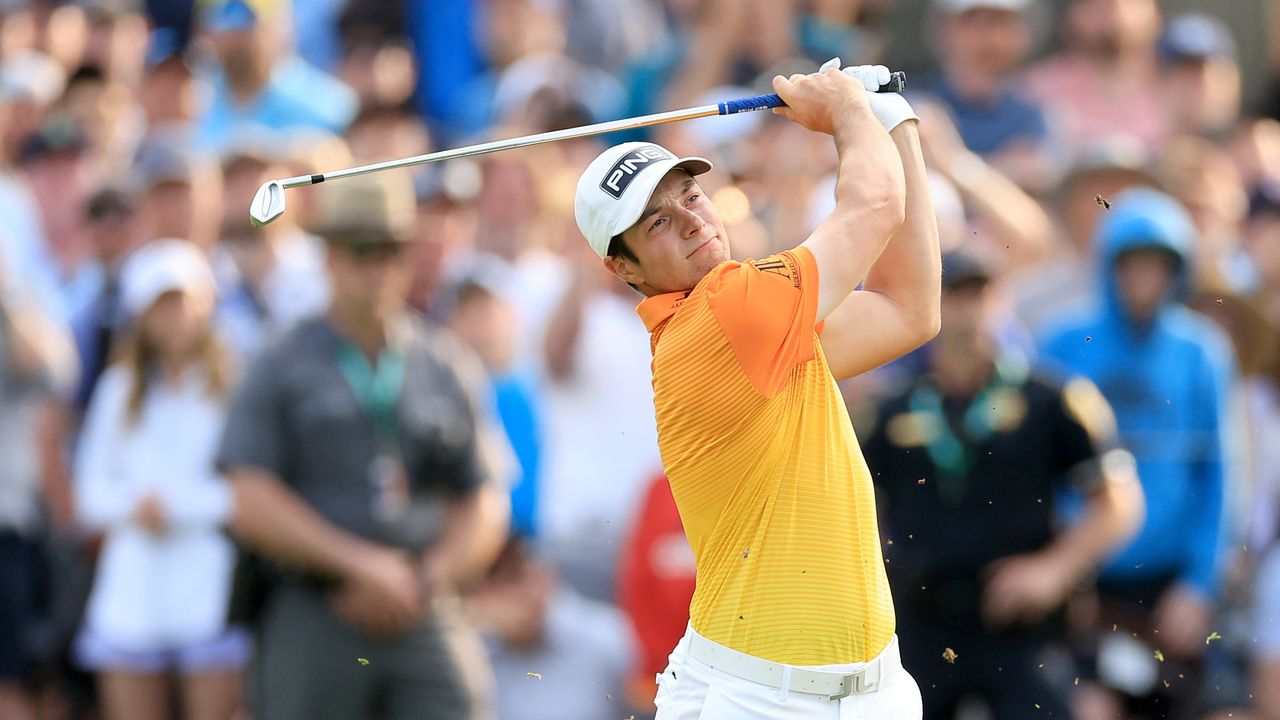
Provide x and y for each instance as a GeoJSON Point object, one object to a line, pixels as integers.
{"type": "Point", "coordinates": [232, 479]}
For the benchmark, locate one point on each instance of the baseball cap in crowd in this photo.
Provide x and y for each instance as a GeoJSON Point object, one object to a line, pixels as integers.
{"type": "Point", "coordinates": [615, 188]}
{"type": "Point", "coordinates": [33, 76]}
{"type": "Point", "coordinates": [162, 266]}
{"type": "Point", "coordinates": [164, 162]}
{"type": "Point", "coordinates": [61, 135]}
{"type": "Point", "coordinates": [1195, 36]}
{"type": "Point", "coordinates": [163, 45]}
{"type": "Point", "coordinates": [230, 16]}
{"type": "Point", "coordinates": [370, 210]}
{"type": "Point", "coordinates": [954, 7]}
{"type": "Point", "coordinates": [964, 268]}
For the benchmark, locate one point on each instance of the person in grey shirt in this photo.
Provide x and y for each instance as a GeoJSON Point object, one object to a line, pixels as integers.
{"type": "Point", "coordinates": [368, 475]}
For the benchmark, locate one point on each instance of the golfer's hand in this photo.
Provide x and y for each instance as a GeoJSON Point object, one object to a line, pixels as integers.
{"type": "Point", "coordinates": [822, 100]}
{"type": "Point", "coordinates": [1182, 622]}
{"type": "Point", "coordinates": [1024, 588]}
{"type": "Point", "coordinates": [384, 595]}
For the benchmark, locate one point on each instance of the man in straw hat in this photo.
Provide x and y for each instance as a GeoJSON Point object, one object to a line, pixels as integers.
{"type": "Point", "coordinates": [367, 470]}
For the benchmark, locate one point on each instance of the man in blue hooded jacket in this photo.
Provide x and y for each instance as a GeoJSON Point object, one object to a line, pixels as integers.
{"type": "Point", "coordinates": [1167, 372]}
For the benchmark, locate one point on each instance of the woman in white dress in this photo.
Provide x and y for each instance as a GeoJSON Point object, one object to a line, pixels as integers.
{"type": "Point", "coordinates": [145, 479]}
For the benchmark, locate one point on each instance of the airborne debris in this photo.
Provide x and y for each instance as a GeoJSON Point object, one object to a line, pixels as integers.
{"type": "Point", "coordinates": [1212, 636]}
{"type": "Point", "coordinates": [1102, 201]}
{"type": "Point", "coordinates": [1160, 656]}
{"type": "Point", "coordinates": [363, 661]}
{"type": "Point", "coordinates": [949, 655]}
{"type": "Point", "coordinates": [535, 676]}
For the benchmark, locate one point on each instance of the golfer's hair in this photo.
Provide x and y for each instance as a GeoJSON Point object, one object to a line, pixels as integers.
{"type": "Point", "coordinates": [618, 248]}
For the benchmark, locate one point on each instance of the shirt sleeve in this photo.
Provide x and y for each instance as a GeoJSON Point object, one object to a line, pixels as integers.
{"type": "Point", "coordinates": [768, 311]}
{"type": "Point", "coordinates": [254, 433]}
{"type": "Point", "coordinates": [104, 499]}
{"type": "Point", "coordinates": [486, 455]}
{"type": "Point", "coordinates": [1084, 432]}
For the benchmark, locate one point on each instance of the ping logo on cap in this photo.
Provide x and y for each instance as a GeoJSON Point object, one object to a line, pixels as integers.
{"type": "Point", "coordinates": [629, 166]}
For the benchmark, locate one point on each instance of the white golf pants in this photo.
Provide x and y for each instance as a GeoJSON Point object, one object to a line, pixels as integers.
{"type": "Point", "coordinates": [692, 690]}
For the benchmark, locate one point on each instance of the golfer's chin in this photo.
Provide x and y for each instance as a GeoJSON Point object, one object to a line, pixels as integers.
{"type": "Point", "coordinates": [708, 255]}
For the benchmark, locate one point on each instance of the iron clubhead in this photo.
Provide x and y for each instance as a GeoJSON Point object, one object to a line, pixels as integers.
{"type": "Point", "coordinates": [268, 203]}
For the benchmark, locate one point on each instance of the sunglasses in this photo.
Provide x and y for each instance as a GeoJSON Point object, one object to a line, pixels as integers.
{"type": "Point", "coordinates": [375, 251]}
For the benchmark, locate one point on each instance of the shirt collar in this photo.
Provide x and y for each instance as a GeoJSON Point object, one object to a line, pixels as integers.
{"type": "Point", "coordinates": [656, 310]}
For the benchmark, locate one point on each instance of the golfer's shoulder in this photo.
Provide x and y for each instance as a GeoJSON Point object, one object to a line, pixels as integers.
{"type": "Point", "coordinates": [782, 271]}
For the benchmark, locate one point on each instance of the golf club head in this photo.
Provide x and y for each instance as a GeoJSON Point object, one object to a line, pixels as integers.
{"type": "Point", "coordinates": [268, 203]}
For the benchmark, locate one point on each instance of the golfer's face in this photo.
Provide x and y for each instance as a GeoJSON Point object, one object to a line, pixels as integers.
{"type": "Point", "coordinates": [677, 240]}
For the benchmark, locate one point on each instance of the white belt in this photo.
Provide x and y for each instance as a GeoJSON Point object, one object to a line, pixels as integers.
{"type": "Point", "coordinates": [830, 684]}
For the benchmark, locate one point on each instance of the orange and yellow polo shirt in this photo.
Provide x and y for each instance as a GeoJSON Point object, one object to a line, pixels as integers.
{"type": "Point", "coordinates": [771, 485]}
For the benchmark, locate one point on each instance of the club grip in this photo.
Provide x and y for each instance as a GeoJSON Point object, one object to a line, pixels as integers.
{"type": "Point", "coordinates": [897, 83]}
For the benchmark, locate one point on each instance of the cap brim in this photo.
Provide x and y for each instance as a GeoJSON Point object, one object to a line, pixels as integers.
{"type": "Point", "coordinates": [644, 185]}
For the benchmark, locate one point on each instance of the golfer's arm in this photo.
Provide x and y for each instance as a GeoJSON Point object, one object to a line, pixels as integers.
{"type": "Point", "coordinates": [870, 200]}
{"type": "Point", "coordinates": [897, 309]}
{"type": "Point", "coordinates": [1113, 514]}
{"type": "Point", "coordinates": [276, 521]}
{"type": "Point", "coordinates": [473, 536]}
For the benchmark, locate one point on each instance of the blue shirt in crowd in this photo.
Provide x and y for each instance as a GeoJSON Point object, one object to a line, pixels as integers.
{"type": "Point", "coordinates": [1168, 381]}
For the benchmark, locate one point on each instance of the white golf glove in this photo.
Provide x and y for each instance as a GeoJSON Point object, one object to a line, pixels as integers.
{"type": "Point", "coordinates": [891, 108]}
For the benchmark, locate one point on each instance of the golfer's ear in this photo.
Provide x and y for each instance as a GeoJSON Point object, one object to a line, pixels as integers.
{"type": "Point", "coordinates": [623, 269]}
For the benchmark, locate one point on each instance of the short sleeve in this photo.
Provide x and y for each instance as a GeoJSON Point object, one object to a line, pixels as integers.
{"type": "Point", "coordinates": [482, 453]}
{"type": "Point", "coordinates": [768, 311]}
{"type": "Point", "coordinates": [254, 432]}
{"type": "Point", "coordinates": [1085, 431]}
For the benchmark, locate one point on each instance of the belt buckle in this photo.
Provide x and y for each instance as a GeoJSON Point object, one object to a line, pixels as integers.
{"type": "Point", "coordinates": [857, 683]}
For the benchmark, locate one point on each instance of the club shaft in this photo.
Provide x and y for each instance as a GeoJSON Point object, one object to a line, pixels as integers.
{"type": "Point", "coordinates": [511, 144]}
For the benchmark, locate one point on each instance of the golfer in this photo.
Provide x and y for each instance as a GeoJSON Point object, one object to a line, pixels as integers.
{"type": "Point", "coordinates": [792, 616]}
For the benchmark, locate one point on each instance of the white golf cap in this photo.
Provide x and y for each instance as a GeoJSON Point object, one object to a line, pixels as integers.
{"type": "Point", "coordinates": [959, 6]}
{"type": "Point", "coordinates": [616, 186]}
{"type": "Point", "coordinates": [162, 266]}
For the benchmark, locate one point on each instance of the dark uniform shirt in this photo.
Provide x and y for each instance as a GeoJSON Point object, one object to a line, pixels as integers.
{"type": "Point", "coordinates": [302, 416]}
{"type": "Point", "coordinates": [965, 482]}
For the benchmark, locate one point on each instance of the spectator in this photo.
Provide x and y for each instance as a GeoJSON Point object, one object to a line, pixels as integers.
{"type": "Point", "coordinates": [110, 219]}
{"type": "Point", "coordinates": [655, 587]}
{"type": "Point", "coordinates": [1104, 82]}
{"type": "Point", "coordinates": [1168, 373]}
{"type": "Point", "coordinates": [167, 95]}
{"type": "Point", "coordinates": [1262, 243]}
{"type": "Point", "coordinates": [1010, 222]}
{"type": "Point", "coordinates": [61, 175]}
{"type": "Point", "coordinates": [1201, 76]}
{"type": "Point", "coordinates": [981, 44]}
{"type": "Point", "coordinates": [976, 438]}
{"type": "Point", "coordinates": [36, 361]}
{"type": "Point", "coordinates": [1105, 169]}
{"type": "Point", "coordinates": [1205, 181]}
{"type": "Point", "coordinates": [577, 649]}
{"type": "Point", "coordinates": [258, 83]}
{"type": "Point", "coordinates": [598, 385]}
{"type": "Point", "coordinates": [179, 192]}
{"type": "Point", "coordinates": [484, 320]}
{"type": "Point", "coordinates": [367, 471]}
{"type": "Point", "coordinates": [270, 278]}
{"type": "Point", "coordinates": [144, 478]}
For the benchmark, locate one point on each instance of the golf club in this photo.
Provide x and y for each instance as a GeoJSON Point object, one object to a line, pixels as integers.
{"type": "Point", "coordinates": [268, 203]}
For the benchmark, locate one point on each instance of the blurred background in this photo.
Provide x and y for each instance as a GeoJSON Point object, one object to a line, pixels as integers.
{"type": "Point", "coordinates": [126, 123]}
